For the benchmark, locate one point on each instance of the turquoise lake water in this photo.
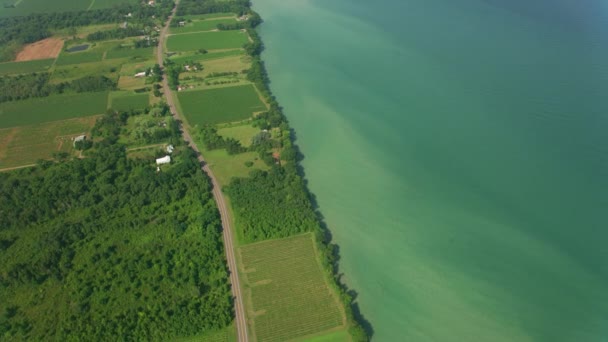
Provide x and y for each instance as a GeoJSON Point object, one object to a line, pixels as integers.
{"type": "Point", "coordinates": [458, 150]}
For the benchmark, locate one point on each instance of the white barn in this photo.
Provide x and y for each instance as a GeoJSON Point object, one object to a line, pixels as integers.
{"type": "Point", "coordinates": [163, 160]}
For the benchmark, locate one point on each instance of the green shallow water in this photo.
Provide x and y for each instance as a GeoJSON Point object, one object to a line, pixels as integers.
{"type": "Point", "coordinates": [458, 150]}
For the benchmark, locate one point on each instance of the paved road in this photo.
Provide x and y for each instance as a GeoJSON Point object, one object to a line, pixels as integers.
{"type": "Point", "coordinates": [241, 323]}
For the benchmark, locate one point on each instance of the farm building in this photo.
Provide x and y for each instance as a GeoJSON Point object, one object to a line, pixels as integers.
{"type": "Point", "coordinates": [140, 74]}
{"type": "Point", "coordinates": [163, 160]}
{"type": "Point", "coordinates": [170, 149]}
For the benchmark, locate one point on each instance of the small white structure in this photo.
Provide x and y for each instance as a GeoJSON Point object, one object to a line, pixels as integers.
{"type": "Point", "coordinates": [170, 149]}
{"type": "Point", "coordinates": [182, 23]}
{"type": "Point", "coordinates": [163, 160]}
{"type": "Point", "coordinates": [140, 74]}
{"type": "Point", "coordinates": [79, 138]}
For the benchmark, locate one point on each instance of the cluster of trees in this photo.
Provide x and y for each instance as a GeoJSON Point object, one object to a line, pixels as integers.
{"type": "Point", "coordinates": [253, 21]}
{"type": "Point", "coordinates": [212, 6]}
{"type": "Point", "coordinates": [106, 248]}
{"type": "Point", "coordinates": [37, 85]}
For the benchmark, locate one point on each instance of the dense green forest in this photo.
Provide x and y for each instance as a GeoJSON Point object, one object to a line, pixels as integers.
{"type": "Point", "coordinates": [106, 248]}
{"type": "Point", "coordinates": [37, 85]}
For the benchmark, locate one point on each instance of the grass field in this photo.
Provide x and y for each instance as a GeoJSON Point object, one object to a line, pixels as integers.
{"type": "Point", "coordinates": [52, 108]}
{"type": "Point", "coordinates": [202, 25]}
{"type": "Point", "coordinates": [70, 72]}
{"type": "Point", "coordinates": [25, 67]}
{"type": "Point", "coordinates": [129, 53]}
{"type": "Point", "coordinates": [120, 101]}
{"type": "Point", "coordinates": [242, 133]}
{"type": "Point", "coordinates": [219, 105]}
{"type": "Point", "coordinates": [183, 58]}
{"type": "Point", "coordinates": [67, 58]}
{"type": "Point", "coordinates": [227, 64]}
{"type": "Point", "coordinates": [25, 144]}
{"type": "Point", "coordinates": [288, 294]}
{"type": "Point", "coordinates": [226, 166]}
{"type": "Point", "coordinates": [208, 16]}
{"type": "Point", "coordinates": [206, 40]}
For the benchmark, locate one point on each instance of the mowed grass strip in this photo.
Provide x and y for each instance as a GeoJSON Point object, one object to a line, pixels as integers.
{"type": "Point", "coordinates": [25, 67]}
{"type": "Point", "coordinates": [26, 144]}
{"type": "Point", "coordinates": [52, 108]}
{"type": "Point", "coordinates": [207, 41]}
{"type": "Point", "coordinates": [289, 295]}
{"type": "Point", "coordinates": [213, 106]}
{"type": "Point", "coordinates": [129, 102]}
{"type": "Point", "coordinates": [202, 25]}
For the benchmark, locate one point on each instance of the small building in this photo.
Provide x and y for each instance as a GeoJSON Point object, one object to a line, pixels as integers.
{"type": "Point", "coordinates": [140, 74]}
{"type": "Point", "coordinates": [182, 23]}
{"type": "Point", "coordinates": [163, 160]}
{"type": "Point", "coordinates": [124, 25]}
{"type": "Point", "coordinates": [79, 138]}
{"type": "Point", "coordinates": [170, 149]}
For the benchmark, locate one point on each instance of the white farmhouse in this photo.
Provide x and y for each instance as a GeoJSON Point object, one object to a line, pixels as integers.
{"type": "Point", "coordinates": [141, 74]}
{"type": "Point", "coordinates": [163, 160]}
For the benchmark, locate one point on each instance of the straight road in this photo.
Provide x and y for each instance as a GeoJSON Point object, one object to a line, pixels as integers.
{"type": "Point", "coordinates": [241, 323]}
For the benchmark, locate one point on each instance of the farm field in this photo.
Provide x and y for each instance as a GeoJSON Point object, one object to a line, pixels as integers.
{"type": "Point", "coordinates": [288, 293]}
{"type": "Point", "coordinates": [208, 16]}
{"type": "Point", "coordinates": [227, 64]}
{"type": "Point", "coordinates": [242, 133]}
{"type": "Point", "coordinates": [74, 71]}
{"type": "Point", "coordinates": [185, 57]}
{"type": "Point", "coordinates": [202, 25]}
{"type": "Point", "coordinates": [24, 145]}
{"type": "Point", "coordinates": [132, 53]}
{"type": "Point", "coordinates": [125, 102]}
{"type": "Point", "coordinates": [67, 58]}
{"type": "Point", "coordinates": [213, 106]}
{"type": "Point", "coordinates": [11, 68]}
{"type": "Point", "coordinates": [52, 108]}
{"type": "Point", "coordinates": [25, 7]}
{"type": "Point", "coordinates": [206, 40]}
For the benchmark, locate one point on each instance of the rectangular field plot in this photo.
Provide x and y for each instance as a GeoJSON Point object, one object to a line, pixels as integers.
{"type": "Point", "coordinates": [25, 7]}
{"type": "Point", "coordinates": [219, 105]}
{"type": "Point", "coordinates": [67, 58]}
{"type": "Point", "coordinates": [202, 25]}
{"type": "Point", "coordinates": [207, 41]}
{"type": "Point", "coordinates": [26, 144]}
{"type": "Point", "coordinates": [289, 295]}
{"type": "Point", "coordinates": [25, 67]}
{"type": "Point", "coordinates": [183, 58]}
{"type": "Point", "coordinates": [129, 102]}
{"type": "Point", "coordinates": [52, 108]}
{"type": "Point", "coordinates": [129, 53]}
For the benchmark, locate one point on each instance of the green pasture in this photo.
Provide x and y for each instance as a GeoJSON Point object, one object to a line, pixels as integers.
{"type": "Point", "coordinates": [70, 72]}
{"type": "Point", "coordinates": [225, 166]}
{"type": "Point", "coordinates": [129, 52]}
{"type": "Point", "coordinates": [202, 25]}
{"type": "Point", "coordinates": [207, 41]}
{"type": "Point", "coordinates": [207, 16]}
{"type": "Point", "coordinates": [287, 291]}
{"type": "Point", "coordinates": [52, 108]}
{"type": "Point", "coordinates": [122, 101]}
{"type": "Point", "coordinates": [197, 57]}
{"type": "Point", "coordinates": [213, 106]}
{"type": "Point", "coordinates": [25, 7]}
{"type": "Point", "coordinates": [242, 133]}
{"type": "Point", "coordinates": [25, 67]}
{"type": "Point", "coordinates": [67, 58]}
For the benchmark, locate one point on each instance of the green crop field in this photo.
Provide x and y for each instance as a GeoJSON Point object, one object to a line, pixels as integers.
{"type": "Point", "coordinates": [202, 25]}
{"type": "Point", "coordinates": [67, 58]}
{"type": "Point", "coordinates": [52, 108]}
{"type": "Point", "coordinates": [25, 67]}
{"type": "Point", "coordinates": [128, 102]}
{"type": "Point", "coordinates": [207, 40]}
{"type": "Point", "coordinates": [25, 144]}
{"type": "Point", "coordinates": [208, 16]}
{"type": "Point", "coordinates": [129, 53]}
{"type": "Point", "coordinates": [288, 293]}
{"type": "Point", "coordinates": [25, 7]}
{"type": "Point", "coordinates": [219, 105]}
{"type": "Point", "coordinates": [108, 68]}
{"type": "Point", "coordinates": [183, 58]}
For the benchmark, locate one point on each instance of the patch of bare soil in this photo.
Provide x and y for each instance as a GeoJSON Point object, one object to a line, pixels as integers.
{"type": "Point", "coordinates": [42, 49]}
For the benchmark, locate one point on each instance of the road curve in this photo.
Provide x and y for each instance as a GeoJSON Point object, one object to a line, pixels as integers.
{"type": "Point", "coordinates": [241, 322]}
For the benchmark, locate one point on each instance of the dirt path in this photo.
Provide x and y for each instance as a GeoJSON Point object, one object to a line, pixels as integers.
{"type": "Point", "coordinates": [241, 322]}
{"type": "Point", "coordinates": [16, 167]}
